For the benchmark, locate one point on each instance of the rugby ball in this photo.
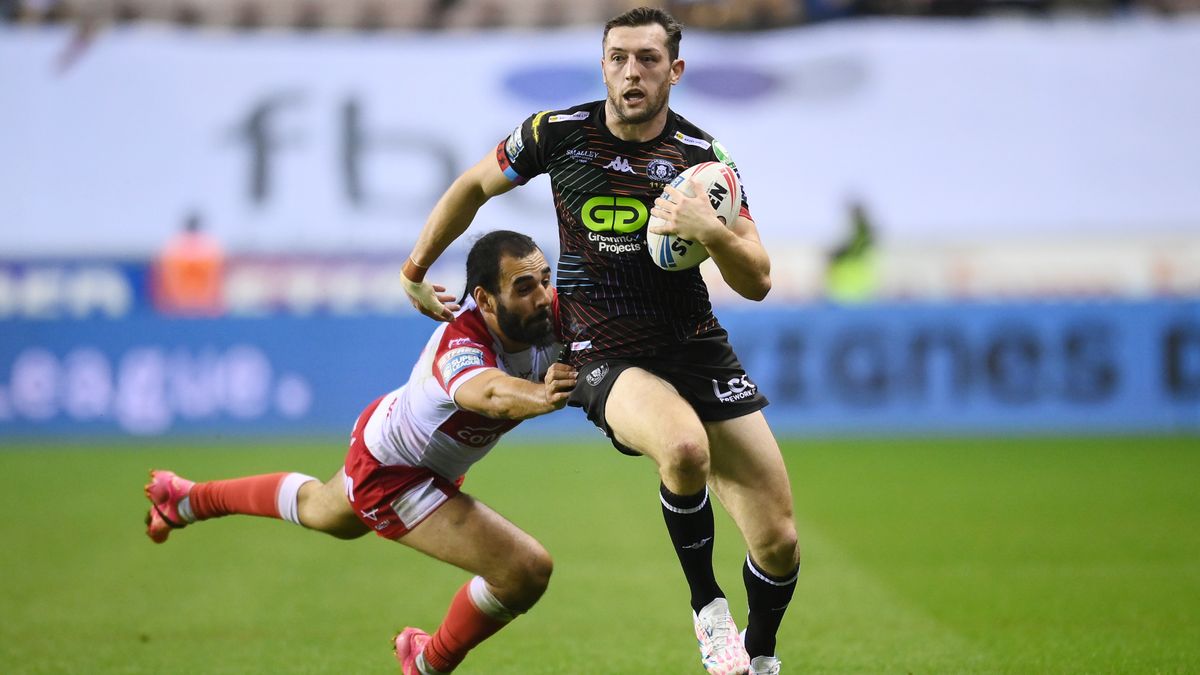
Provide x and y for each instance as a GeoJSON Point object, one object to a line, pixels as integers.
{"type": "Point", "coordinates": [724, 192]}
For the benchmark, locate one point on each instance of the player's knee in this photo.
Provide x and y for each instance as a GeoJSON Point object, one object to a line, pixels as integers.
{"type": "Point", "coordinates": [779, 552]}
{"type": "Point", "coordinates": [538, 569]}
{"type": "Point", "coordinates": [345, 531]}
{"type": "Point", "coordinates": [325, 516]}
{"type": "Point", "coordinates": [529, 576]}
{"type": "Point", "coordinates": [334, 524]}
{"type": "Point", "coordinates": [686, 462]}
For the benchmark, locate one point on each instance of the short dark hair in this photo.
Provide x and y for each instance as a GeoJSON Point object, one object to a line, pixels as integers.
{"type": "Point", "coordinates": [644, 16]}
{"type": "Point", "coordinates": [483, 260]}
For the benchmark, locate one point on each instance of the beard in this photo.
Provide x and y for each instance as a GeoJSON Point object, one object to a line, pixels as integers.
{"type": "Point", "coordinates": [537, 330]}
{"type": "Point", "coordinates": [654, 103]}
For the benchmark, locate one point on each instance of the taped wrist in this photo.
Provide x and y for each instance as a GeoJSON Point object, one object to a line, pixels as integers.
{"type": "Point", "coordinates": [422, 292]}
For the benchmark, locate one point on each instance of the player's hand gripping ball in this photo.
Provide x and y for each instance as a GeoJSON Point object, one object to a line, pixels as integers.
{"type": "Point", "coordinates": [720, 183]}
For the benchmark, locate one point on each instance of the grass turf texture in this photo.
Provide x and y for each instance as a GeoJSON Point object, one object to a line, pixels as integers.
{"type": "Point", "coordinates": [946, 556]}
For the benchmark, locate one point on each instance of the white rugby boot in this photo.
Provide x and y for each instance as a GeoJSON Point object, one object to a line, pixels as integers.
{"type": "Point", "coordinates": [721, 648]}
{"type": "Point", "coordinates": [764, 665]}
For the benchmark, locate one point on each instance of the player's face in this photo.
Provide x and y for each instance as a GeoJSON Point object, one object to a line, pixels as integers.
{"type": "Point", "coordinates": [638, 72]}
{"type": "Point", "coordinates": [523, 305]}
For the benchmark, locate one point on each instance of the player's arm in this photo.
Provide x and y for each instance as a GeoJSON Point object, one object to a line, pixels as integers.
{"type": "Point", "coordinates": [737, 250]}
{"type": "Point", "coordinates": [451, 216]}
{"type": "Point", "coordinates": [501, 396]}
{"type": "Point", "coordinates": [741, 258]}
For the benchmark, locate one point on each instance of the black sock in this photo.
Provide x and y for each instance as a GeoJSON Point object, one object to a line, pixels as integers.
{"type": "Point", "coordinates": [768, 599]}
{"type": "Point", "coordinates": [690, 524]}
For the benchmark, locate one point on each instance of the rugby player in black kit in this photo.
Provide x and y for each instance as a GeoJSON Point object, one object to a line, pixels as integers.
{"type": "Point", "coordinates": [656, 371]}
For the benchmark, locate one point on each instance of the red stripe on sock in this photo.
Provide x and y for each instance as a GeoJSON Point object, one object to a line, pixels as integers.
{"type": "Point", "coordinates": [461, 631]}
{"type": "Point", "coordinates": [251, 496]}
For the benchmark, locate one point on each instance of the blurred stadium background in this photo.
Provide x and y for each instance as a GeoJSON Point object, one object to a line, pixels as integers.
{"type": "Point", "coordinates": [982, 347]}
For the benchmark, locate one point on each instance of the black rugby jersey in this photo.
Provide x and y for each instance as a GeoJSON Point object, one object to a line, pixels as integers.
{"type": "Point", "coordinates": [615, 301]}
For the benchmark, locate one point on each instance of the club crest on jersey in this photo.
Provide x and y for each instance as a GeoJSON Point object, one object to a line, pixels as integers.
{"type": "Point", "coordinates": [660, 170]}
{"type": "Point", "coordinates": [621, 164]}
{"type": "Point", "coordinates": [457, 360]}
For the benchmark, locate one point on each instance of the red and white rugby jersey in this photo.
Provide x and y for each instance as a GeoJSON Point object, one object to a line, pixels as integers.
{"type": "Point", "coordinates": [419, 424]}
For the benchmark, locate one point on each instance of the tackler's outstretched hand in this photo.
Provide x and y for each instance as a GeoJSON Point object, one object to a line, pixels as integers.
{"type": "Point", "coordinates": [432, 300]}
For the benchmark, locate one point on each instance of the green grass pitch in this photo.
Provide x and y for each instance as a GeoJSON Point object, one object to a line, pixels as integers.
{"type": "Point", "coordinates": [943, 556]}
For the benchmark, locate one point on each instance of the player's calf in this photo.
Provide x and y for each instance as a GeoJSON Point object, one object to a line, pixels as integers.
{"type": "Point", "coordinates": [475, 614]}
{"type": "Point", "coordinates": [177, 502]}
{"type": "Point", "coordinates": [767, 599]}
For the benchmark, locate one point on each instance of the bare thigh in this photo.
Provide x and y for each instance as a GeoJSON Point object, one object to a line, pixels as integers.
{"type": "Point", "coordinates": [648, 415]}
{"type": "Point", "coordinates": [750, 479]}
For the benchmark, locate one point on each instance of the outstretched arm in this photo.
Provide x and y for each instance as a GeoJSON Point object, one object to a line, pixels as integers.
{"type": "Point", "coordinates": [499, 396]}
{"type": "Point", "coordinates": [451, 216]}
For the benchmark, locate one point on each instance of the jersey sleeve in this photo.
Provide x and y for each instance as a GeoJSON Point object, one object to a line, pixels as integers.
{"type": "Point", "coordinates": [461, 356]}
{"type": "Point", "coordinates": [522, 155]}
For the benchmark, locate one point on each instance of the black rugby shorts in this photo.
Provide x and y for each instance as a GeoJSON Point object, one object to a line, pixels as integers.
{"type": "Point", "coordinates": [704, 370]}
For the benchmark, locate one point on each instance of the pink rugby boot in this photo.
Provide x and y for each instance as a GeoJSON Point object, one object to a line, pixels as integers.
{"type": "Point", "coordinates": [164, 491]}
{"type": "Point", "coordinates": [408, 646]}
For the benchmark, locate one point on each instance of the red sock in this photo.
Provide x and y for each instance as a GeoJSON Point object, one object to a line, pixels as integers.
{"type": "Point", "coordinates": [464, 627]}
{"type": "Point", "coordinates": [252, 496]}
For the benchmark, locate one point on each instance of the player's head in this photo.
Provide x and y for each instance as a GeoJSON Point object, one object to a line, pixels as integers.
{"type": "Point", "coordinates": [509, 278]}
{"type": "Point", "coordinates": [646, 16]}
{"type": "Point", "coordinates": [641, 62]}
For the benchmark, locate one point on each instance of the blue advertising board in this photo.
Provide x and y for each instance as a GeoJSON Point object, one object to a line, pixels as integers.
{"type": "Point", "coordinates": [912, 369]}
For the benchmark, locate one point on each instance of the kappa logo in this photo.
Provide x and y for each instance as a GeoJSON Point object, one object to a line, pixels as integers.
{"type": "Point", "coordinates": [597, 376]}
{"type": "Point", "coordinates": [660, 170]}
{"type": "Point", "coordinates": [621, 164]}
{"type": "Point", "coordinates": [458, 342]}
{"type": "Point", "coordinates": [735, 389]}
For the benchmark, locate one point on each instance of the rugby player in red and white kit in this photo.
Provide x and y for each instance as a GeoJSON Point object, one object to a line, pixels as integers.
{"type": "Point", "coordinates": [479, 375]}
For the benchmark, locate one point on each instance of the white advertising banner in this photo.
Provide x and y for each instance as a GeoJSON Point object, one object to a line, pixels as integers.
{"type": "Point", "coordinates": [958, 131]}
